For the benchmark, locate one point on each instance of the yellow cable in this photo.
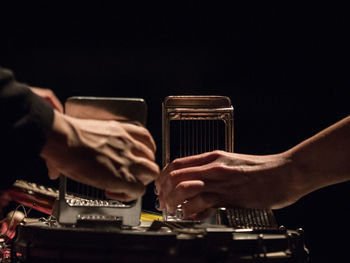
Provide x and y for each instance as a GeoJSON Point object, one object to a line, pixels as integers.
{"type": "Point", "coordinates": [150, 216]}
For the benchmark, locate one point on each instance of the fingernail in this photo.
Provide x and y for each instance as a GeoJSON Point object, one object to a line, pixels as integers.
{"type": "Point", "coordinates": [156, 204]}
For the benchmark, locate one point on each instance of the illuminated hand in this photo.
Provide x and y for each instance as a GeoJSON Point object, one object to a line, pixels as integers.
{"type": "Point", "coordinates": [114, 156]}
{"type": "Point", "coordinates": [219, 178]}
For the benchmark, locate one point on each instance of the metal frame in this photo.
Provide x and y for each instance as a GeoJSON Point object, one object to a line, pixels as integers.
{"type": "Point", "coordinates": [68, 210]}
{"type": "Point", "coordinates": [195, 108]}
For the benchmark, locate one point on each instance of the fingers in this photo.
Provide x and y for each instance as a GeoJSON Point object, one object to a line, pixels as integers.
{"type": "Point", "coordinates": [125, 146]}
{"type": "Point", "coordinates": [119, 184]}
{"type": "Point", "coordinates": [189, 162]}
{"type": "Point", "coordinates": [102, 154]}
{"type": "Point", "coordinates": [195, 201]}
{"type": "Point", "coordinates": [139, 162]}
{"type": "Point", "coordinates": [124, 184]}
{"type": "Point", "coordinates": [209, 173]}
{"type": "Point", "coordinates": [196, 160]}
{"type": "Point", "coordinates": [204, 214]}
{"type": "Point", "coordinates": [123, 197]}
{"type": "Point", "coordinates": [54, 173]}
{"type": "Point", "coordinates": [144, 170]}
{"type": "Point", "coordinates": [142, 156]}
{"type": "Point", "coordinates": [140, 134]}
{"type": "Point", "coordinates": [140, 149]}
{"type": "Point", "coordinates": [49, 97]}
{"type": "Point", "coordinates": [194, 196]}
{"type": "Point", "coordinates": [196, 206]}
{"type": "Point", "coordinates": [113, 178]}
{"type": "Point", "coordinates": [125, 191]}
{"type": "Point", "coordinates": [182, 192]}
{"type": "Point", "coordinates": [189, 180]}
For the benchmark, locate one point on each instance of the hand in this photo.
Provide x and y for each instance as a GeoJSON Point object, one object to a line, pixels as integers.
{"type": "Point", "coordinates": [114, 156]}
{"type": "Point", "coordinates": [49, 97]}
{"type": "Point", "coordinates": [222, 179]}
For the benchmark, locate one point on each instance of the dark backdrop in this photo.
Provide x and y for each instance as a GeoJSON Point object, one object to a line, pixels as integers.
{"type": "Point", "coordinates": [283, 66]}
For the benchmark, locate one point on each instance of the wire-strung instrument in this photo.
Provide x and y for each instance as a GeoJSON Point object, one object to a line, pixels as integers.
{"type": "Point", "coordinates": [90, 201]}
{"type": "Point", "coordinates": [85, 227]}
{"type": "Point", "coordinates": [199, 124]}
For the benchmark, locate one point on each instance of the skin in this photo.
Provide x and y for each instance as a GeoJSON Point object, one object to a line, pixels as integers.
{"type": "Point", "coordinates": [49, 96]}
{"type": "Point", "coordinates": [113, 156]}
{"type": "Point", "coordinates": [4, 200]}
{"type": "Point", "coordinates": [216, 179]}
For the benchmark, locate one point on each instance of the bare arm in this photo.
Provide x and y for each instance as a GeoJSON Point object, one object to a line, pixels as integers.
{"type": "Point", "coordinates": [49, 97]}
{"type": "Point", "coordinates": [220, 178]}
{"type": "Point", "coordinates": [116, 157]}
{"type": "Point", "coordinates": [323, 159]}
{"type": "Point", "coordinates": [113, 156]}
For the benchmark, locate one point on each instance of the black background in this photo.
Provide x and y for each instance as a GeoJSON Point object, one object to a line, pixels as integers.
{"type": "Point", "coordinates": [285, 68]}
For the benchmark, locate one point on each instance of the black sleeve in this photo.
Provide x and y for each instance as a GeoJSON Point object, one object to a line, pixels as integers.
{"type": "Point", "coordinates": [26, 120]}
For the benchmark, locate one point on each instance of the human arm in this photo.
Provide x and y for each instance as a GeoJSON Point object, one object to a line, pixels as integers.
{"type": "Point", "coordinates": [114, 156]}
{"type": "Point", "coordinates": [126, 152]}
{"type": "Point", "coordinates": [25, 123]}
{"type": "Point", "coordinates": [117, 157]}
{"type": "Point", "coordinates": [220, 178]}
{"type": "Point", "coordinates": [49, 96]}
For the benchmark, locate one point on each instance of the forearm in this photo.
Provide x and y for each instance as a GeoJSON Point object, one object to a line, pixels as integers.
{"type": "Point", "coordinates": [274, 181]}
{"type": "Point", "coordinates": [323, 159]}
